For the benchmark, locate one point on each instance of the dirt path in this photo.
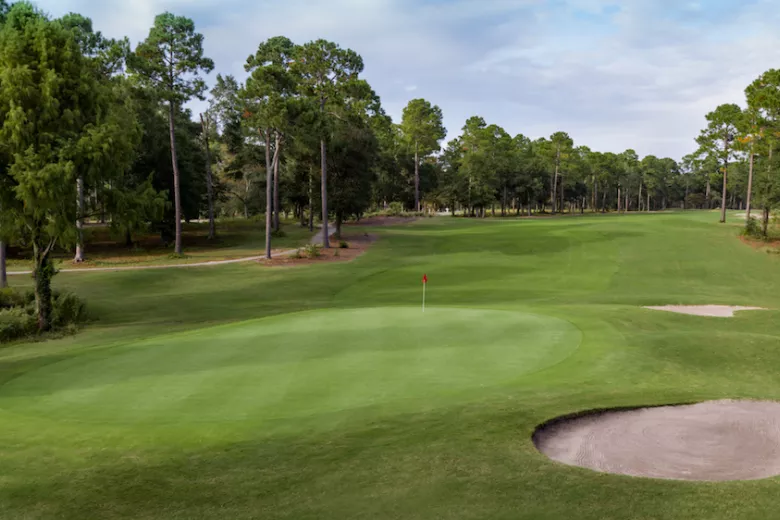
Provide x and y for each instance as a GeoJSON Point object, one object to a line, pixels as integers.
{"type": "Point", "coordinates": [315, 239]}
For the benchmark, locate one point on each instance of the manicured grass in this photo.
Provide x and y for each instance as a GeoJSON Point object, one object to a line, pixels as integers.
{"type": "Point", "coordinates": [236, 238]}
{"type": "Point", "coordinates": [322, 392]}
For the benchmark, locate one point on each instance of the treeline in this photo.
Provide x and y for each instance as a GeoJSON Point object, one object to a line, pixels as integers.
{"type": "Point", "coordinates": [738, 152]}
{"type": "Point", "coordinates": [93, 130]}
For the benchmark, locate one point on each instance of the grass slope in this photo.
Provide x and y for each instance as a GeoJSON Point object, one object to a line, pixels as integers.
{"type": "Point", "coordinates": [359, 408]}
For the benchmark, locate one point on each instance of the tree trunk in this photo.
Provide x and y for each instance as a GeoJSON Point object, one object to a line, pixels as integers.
{"type": "Point", "coordinates": [639, 202]}
{"type": "Point", "coordinates": [725, 185]}
{"type": "Point", "coordinates": [209, 180]}
{"type": "Point", "coordinates": [503, 203]}
{"type": "Point", "coordinates": [750, 185]}
{"type": "Point", "coordinates": [43, 272]}
{"type": "Point", "coordinates": [3, 271]}
{"type": "Point", "coordinates": [648, 201]}
{"type": "Point", "coordinates": [79, 258]}
{"type": "Point", "coordinates": [278, 154]}
{"type": "Point", "coordinates": [709, 194]}
{"type": "Point", "coordinates": [269, 191]}
{"type": "Point", "coordinates": [176, 178]}
{"type": "Point", "coordinates": [311, 200]}
{"type": "Point", "coordinates": [128, 239]}
{"type": "Point", "coordinates": [339, 221]}
{"type": "Point", "coordinates": [555, 183]}
{"type": "Point", "coordinates": [618, 200]}
{"type": "Point", "coordinates": [765, 222]}
{"type": "Point", "coordinates": [416, 176]}
{"type": "Point", "coordinates": [325, 237]}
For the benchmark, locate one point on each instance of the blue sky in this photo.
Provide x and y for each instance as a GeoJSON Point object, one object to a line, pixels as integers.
{"type": "Point", "coordinates": [624, 74]}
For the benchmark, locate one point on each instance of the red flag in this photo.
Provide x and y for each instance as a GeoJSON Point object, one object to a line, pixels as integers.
{"type": "Point", "coordinates": [425, 278]}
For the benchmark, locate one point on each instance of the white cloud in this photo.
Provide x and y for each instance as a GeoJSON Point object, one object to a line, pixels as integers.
{"type": "Point", "coordinates": [615, 74]}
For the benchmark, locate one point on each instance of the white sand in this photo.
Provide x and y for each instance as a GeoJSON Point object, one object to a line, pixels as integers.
{"type": "Point", "coordinates": [715, 311]}
{"type": "Point", "coordinates": [713, 441]}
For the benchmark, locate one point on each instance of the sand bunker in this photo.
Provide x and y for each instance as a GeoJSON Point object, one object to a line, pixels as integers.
{"type": "Point", "coordinates": [715, 311]}
{"type": "Point", "coordinates": [713, 441]}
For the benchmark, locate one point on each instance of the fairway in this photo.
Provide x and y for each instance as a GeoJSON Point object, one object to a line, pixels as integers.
{"type": "Point", "coordinates": [324, 392]}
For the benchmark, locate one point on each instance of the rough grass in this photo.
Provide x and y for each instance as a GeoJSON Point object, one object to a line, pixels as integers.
{"type": "Point", "coordinates": [74, 445]}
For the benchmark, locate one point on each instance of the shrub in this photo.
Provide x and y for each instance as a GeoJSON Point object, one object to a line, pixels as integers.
{"type": "Point", "coordinates": [68, 309]}
{"type": "Point", "coordinates": [752, 229]}
{"type": "Point", "coordinates": [343, 245]}
{"type": "Point", "coordinates": [337, 254]}
{"type": "Point", "coordinates": [18, 318]}
{"type": "Point", "coordinates": [10, 298]}
{"type": "Point", "coordinates": [395, 209]}
{"type": "Point", "coordinates": [312, 251]}
{"type": "Point", "coordinates": [278, 234]}
{"type": "Point", "coordinates": [297, 255]}
{"type": "Point", "coordinates": [17, 323]}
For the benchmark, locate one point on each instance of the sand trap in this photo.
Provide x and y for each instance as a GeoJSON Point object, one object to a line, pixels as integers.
{"type": "Point", "coordinates": [715, 311]}
{"type": "Point", "coordinates": [713, 441]}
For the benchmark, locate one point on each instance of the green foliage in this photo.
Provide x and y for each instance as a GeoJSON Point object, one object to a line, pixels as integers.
{"type": "Point", "coordinates": [61, 119]}
{"type": "Point", "coordinates": [278, 233]}
{"type": "Point", "coordinates": [18, 314]}
{"type": "Point", "coordinates": [395, 209]}
{"type": "Point", "coordinates": [752, 229]}
{"type": "Point", "coordinates": [312, 251]}
{"type": "Point", "coordinates": [422, 126]}
{"type": "Point", "coordinates": [170, 60]}
{"type": "Point", "coordinates": [343, 244]}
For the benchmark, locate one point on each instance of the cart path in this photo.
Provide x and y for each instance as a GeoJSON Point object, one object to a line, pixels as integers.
{"type": "Point", "coordinates": [316, 239]}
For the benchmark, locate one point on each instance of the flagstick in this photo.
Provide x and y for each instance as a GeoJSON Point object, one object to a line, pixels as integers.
{"type": "Point", "coordinates": [424, 287]}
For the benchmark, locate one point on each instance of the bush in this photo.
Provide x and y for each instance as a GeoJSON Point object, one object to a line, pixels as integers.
{"type": "Point", "coordinates": [68, 309]}
{"type": "Point", "coordinates": [312, 251]}
{"type": "Point", "coordinates": [343, 245]}
{"type": "Point", "coordinates": [297, 255]}
{"type": "Point", "coordinates": [752, 229]}
{"type": "Point", "coordinates": [278, 234]}
{"type": "Point", "coordinates": [395, 209]}
{"type": "Point", "coordinates": [18, 318]}
{"type": "Point", "coordinates": [10, 298]}
{"type": "Point", "coordinates": [336, 253]}
{"type": "Point", "coordinates": [17, 323]}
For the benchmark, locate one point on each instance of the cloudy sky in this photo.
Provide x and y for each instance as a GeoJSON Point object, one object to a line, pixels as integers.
{"type": "Point", "coordinates": [614, 74]}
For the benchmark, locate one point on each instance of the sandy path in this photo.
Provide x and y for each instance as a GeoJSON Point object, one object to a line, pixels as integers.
{"type": "Point", "coordinates": [713, 441]}
{"type": "Point", "coordinates": [315, 240]}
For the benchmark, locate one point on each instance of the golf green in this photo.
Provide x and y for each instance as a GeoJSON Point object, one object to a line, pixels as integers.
{"type": "Point", "coordinates": [295, 365]}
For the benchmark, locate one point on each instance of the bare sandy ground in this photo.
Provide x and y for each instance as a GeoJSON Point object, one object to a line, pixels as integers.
{"type": "Point", "coordinates": [715, 311]}
{"type": "Point", "coordinates": [712, 441]}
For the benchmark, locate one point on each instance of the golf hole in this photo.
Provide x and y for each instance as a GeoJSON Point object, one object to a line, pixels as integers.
{"type": "Point", "coordinates": [710, 441]}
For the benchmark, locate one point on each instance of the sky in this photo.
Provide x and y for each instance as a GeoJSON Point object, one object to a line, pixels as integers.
{"type": "Point", "coordinates": [614, 74]}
